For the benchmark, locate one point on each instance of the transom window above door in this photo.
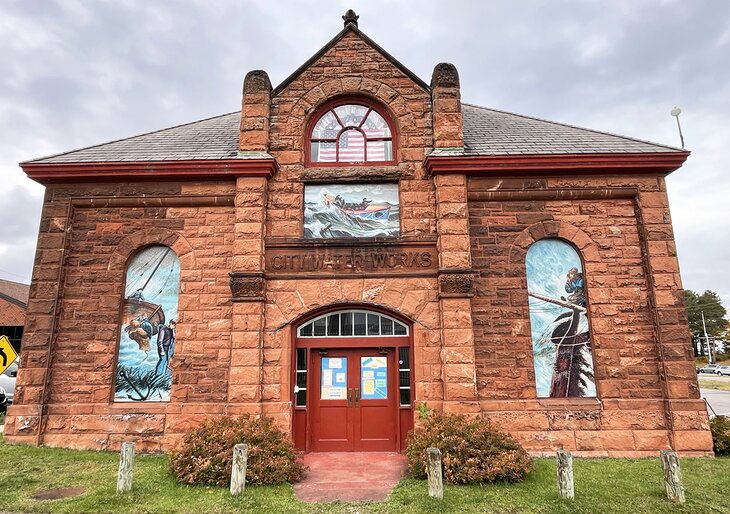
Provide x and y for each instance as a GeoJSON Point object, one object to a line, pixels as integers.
{"type": "Point", "coordinates": [351, 133]}
{"type": "Point", "coordinates": [353, 323]}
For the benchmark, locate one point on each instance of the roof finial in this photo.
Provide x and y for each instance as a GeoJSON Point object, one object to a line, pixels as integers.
{"type": "Point", "coordinates": [350, 17]}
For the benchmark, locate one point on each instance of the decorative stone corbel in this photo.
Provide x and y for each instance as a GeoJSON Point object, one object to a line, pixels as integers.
{"type": "Point", "coordinates": [247, 286]}
{"type": "Point", "coordinates": [456, 283]}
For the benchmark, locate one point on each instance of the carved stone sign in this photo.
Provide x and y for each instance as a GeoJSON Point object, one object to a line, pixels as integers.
{"type": "Point", "coordinates": [346, 259]}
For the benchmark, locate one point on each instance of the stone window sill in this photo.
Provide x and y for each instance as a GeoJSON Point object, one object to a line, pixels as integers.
{"type": "Point", "coordinates": [570, 403]}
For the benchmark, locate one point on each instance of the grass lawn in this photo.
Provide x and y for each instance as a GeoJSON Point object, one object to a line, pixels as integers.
{"type": "Point", "coordinates": [720, 359]}
{"type": "Point", "coordinates": [718, 385]}
{"type": "Point", "coordinates": [602, 486]}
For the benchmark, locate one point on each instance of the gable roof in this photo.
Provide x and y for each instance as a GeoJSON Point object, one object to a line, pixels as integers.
{"type": "Point", "coordinates": [486, 132]}
{"type": "Point", "coordinates": [349, 27]}
{"type": "Point", "coordinates": [14, 292]}
{"type": "Point", "coordinates": [11, 314]}
{"type": "Point", "coordinates": [493, 132]}
{"type": "Point", "coordinates": [213, 138]}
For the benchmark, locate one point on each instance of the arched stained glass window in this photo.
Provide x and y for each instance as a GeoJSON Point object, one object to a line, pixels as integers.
{"type": "Point", "coordinates": [147, 328]}
{"type": "Point", "coordinates": [351, 133]}
{"type": "Point", "coordinates": [353, 323]}
{"type": "Point", "coordinates": [560, 329]}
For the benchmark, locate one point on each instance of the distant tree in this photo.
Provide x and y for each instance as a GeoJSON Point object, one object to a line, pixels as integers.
{"type": "Point", "coordinates": [709, 304]}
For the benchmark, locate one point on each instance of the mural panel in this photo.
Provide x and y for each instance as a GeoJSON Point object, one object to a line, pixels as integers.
{"type": "Point", "coordinates": [561, 341]}
{"type": "Point", "coordinates": [351, 210]}
{"type": "Point", "coordinates": [147, 338]}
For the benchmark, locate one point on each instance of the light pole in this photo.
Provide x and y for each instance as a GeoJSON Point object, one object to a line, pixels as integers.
{"type": "Point", "coordinates": [707, 340]}
{"type": "Point", "coordinates": [676, 112]}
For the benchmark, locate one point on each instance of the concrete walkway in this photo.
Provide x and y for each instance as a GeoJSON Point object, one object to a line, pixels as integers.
{"type": "Point", "coordinates": [718, 400]}
{"type": "Point", "coordinates": [350, 476]}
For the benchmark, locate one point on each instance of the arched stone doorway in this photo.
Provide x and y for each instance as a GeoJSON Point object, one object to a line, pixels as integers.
{"type": "Point", "coordinates": [352, 381]}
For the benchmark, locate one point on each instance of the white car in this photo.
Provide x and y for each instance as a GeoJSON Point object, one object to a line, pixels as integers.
{"type": "Point", "coordinates": [722, 370]}
{"type": "Point", "coordinates": [7, 380]}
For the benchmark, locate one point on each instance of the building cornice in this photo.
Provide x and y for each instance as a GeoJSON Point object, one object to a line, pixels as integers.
{"type": "Point", "coordinates": [659, 162]}
{"type": "Point", "coordinates": [149, 170]}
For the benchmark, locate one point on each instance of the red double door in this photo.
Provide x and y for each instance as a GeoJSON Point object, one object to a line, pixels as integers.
{"type": "Point", "coordinates": [353, 398]}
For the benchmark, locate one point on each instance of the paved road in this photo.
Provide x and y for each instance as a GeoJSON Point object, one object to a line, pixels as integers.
{"type": "Point", "coordinates": [718, 400]}
{"type": "Point", "coordinates": [707, 376]}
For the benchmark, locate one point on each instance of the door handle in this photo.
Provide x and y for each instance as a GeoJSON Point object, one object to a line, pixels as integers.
{"type": "Point", "coordinates": [349, 397]}
{"type": "Point", "coordinates": [357, 397]}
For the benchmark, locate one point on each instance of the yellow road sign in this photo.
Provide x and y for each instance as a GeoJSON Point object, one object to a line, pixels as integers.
{"type": "Point", "coordinates": [7, 353]}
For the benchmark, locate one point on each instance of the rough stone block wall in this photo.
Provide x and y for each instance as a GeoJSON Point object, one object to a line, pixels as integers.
{"type": "Point", "coordinates": [90, 265]}
{"type": "Point", "coordinates": [362, 71]}
{"type": "Point", "coordinates": [641, 406]}
{"type": "Point", "coordinates": [416, 298]}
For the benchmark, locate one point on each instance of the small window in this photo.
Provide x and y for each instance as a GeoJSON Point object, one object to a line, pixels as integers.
{"type": "Point", "coordinates": [351, 133]}
{"type": "Point", "coordinates": [404, 376]}
{"type": "Point", "coordinates": [300, 386]}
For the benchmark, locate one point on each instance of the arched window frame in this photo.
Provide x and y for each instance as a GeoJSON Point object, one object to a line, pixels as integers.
{"type": "Point", "coordinates": [403, 329]}
{"type": "Point", "coordinates": [330, 107]}
{"type": "Point", "coordinates": [591, 348]}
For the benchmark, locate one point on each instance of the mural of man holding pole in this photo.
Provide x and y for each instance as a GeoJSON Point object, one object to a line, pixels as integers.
{"type": "Point", "coordinates": [561, 341]}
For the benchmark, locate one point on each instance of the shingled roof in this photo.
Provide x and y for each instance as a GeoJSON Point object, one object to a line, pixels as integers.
{"type": "Point", "coordinates": [486, 132]}
{"type": "Point", "coordinates": [13, 302]}
{"type": "Point", "coordinates": [493, 132]}
{"type": "Point", "coordinates": [14, 291]}
{"type": "Point", "coordinates": [209, 139]}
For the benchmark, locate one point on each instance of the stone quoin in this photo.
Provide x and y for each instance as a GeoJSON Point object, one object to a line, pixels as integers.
{"type": "Point", "coordinates": [350, 244]}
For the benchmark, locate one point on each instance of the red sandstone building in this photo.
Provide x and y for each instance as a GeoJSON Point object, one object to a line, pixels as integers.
{"type": "Point", "coordinates": [350, 244]}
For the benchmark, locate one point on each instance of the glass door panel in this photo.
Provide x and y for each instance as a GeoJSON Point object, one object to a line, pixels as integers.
{"type": "Point", "coordinates": [374, 377]}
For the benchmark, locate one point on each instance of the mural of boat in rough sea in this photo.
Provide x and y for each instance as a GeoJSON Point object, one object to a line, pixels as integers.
{"type": "Point", "coordinates": [351, 210]}
{"type": "Point", "coordinates": [147, 338]}
{"type": "Point", "coordinates": [363, 210]}
{"type": "Point", "coordinates": [138, 313]}
{"type": "Point", "coordinates": [378, 212]}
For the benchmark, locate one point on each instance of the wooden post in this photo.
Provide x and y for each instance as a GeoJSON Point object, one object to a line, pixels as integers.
{"type": "Point", "coordinates": [238, 472]}
{"type": "Point", "coordinates": [126, 468]}
{"type": "Point", "coordinates": [672, 476]}
{"type": "Point", "coordinates": [435, 475]}
{"type": "Point", "coordinates": [565, 475]}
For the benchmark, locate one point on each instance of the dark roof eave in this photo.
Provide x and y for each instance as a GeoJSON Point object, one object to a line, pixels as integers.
{"type": "Point", "coordinates": [149, 170]}
{"type": "Point", "coordinates": [14, 301]}
{"type": "Point", "coordinates": [636, 163]}
{"type": "Point", "coordinates": [349, 27]}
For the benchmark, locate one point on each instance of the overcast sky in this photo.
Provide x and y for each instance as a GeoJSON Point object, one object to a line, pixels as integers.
{"type": "Point", "coordinates": [75, 73]}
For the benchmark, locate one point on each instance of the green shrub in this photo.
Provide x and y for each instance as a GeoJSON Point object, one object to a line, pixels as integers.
{"type": "Point", "coordinates": [472, 450]}
{"type": "Point", "coordinates": [720, 428]}
{"type": "Point", "coordinates": [206, 454]}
